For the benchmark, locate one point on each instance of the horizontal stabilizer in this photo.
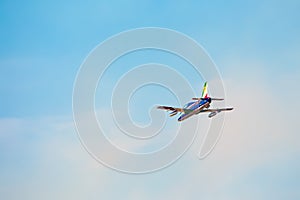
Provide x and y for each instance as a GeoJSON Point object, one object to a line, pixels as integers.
{"type": "Point", "coordinates": [215, 99]}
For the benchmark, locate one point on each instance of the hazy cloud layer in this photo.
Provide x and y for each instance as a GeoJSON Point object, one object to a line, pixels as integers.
{"type": "Point", "coordinates": [257, 156]}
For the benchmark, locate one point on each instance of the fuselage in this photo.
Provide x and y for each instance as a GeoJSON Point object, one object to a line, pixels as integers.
{"type": "Point", "coordinates": [194, 108]}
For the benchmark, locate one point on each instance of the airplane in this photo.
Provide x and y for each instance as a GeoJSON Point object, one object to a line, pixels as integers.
{"type": "Point", "coordinates": [199, 105]}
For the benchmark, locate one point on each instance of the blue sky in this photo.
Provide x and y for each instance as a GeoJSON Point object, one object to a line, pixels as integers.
{"type": "Point", "coordinates": [49, 40]}
{"type": "Point", "coordinates": [255, 45]}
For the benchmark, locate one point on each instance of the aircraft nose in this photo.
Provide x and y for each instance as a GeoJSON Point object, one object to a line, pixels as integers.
{"type": "Point", "coordinates": [180, 118]}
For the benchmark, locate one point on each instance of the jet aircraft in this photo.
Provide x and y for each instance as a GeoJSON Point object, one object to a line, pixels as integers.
{"type": "Point", "coordinates": [199, 105]}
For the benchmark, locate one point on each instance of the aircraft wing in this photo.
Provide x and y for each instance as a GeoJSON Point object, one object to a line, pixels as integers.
{"type": "Point", "coordinates": [213, 112]}
{"type": "Point", "coordinates": [216, 110]}
{"type": "Point", "coordinates": [168, 108]}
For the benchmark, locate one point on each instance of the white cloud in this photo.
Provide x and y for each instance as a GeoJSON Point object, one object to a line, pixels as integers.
{"type": "Point", "coordinates": [257, 156]}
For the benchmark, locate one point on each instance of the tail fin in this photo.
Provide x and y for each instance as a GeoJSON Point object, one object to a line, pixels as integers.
{"type": "Point", "coordinates": [204, 91]}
